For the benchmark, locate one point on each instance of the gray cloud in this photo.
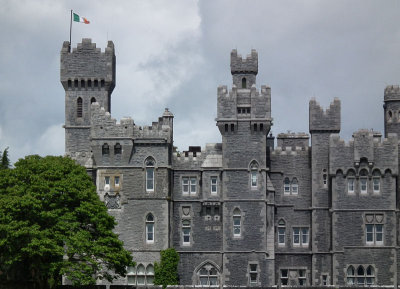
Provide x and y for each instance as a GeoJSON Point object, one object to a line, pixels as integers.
{"type": "Point", "coordinates": [175, 53]}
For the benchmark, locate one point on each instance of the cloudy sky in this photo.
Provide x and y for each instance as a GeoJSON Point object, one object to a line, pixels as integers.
{"type": "Point", "coordinates": [176, 53]}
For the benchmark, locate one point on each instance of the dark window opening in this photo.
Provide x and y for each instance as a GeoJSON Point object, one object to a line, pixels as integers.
{"type": "Point", "coordinates": [102, 83]}
{"type": "Point", "coordinates": [117, 149]}
{"type": "Point", "coordinates": [96, 83]}
{"type": "Point", "coordinates": [226, 127]}
{"type": "Point", "coordinates": [255, 127]}
{"type": "Point", "coordinates": [244, 82]}
{"type": "Point", "coordinates": [92, 100]}
{"type": "Point", "coordinates": [76, 83]}
{"type": "Point", "coordinates": [105, 150]}
{"type": "Point", "coordinates": [89, 83]}
{"type": "Point", "coordinates": [79, 107]}
{"type": "Point", "coordinates": [261, 127]}
{"type": "Point", "coordinates": [69, 83]}
{"type": "Point", "coordinates": [232, 127]}
{"type": "Point", "coordinates": [82, 83]}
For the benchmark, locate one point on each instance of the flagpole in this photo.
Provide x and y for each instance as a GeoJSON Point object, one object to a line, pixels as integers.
{"type": "Point", "coordinates": [70, 29]}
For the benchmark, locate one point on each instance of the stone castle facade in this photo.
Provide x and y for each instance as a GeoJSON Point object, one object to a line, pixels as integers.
{"type": "Point", "coordinates": [243, 211]}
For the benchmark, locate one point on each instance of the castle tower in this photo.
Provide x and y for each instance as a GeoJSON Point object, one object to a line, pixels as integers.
{"type": "Point", "coordinates": [322, 124]}
{"type": "Point", "coordinates": [391, 109]}
{"type": "Point", "coordinates": [244, 120]}
{"type": "Point", "coordinates": [88, 76]}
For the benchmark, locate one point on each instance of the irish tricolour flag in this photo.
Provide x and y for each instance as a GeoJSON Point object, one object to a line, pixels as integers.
{"type": "Point", "coordinates": [78, 18]}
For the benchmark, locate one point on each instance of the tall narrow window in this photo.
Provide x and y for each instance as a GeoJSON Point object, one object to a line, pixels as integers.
{"type": "Point", "coordinates": [237, 216]}
{"type": "Point", "coordinates": [376, 182]}
{"type": "Point", "coordinates": [141, 275]}
{"type": "Point", "coordinates": [370, 279]}
{"type": "Point", "coordinates": [186, 232]}
{"type": "Point", "coordinates": [116, 181]}
{"type": "Point", "coordinates": [254, 174]}
{"type": "Point", "coordinates": [131, 275]}
{"type": "Point", "coordinates": [150, 175]}
{"type": "Point", "coordinates": [244, 82]}
{"type": "Point", "coordinates": [350, 275]}
{"type": "Point", "coordinates": [79, 107]}
{"type": "Point", "coordinates": [150, 274]}
{"type": "Point", "coordinates": [363, 182]}
{"type": "Point", "coordinates": [149, 228]}
{"type": "Point", "coordinates": [106, 183]}
{"type": "Point", "coordinates": [232, 127]}
{"type": "Point", "coordinates": [350, 182]}
{"type": "Point", "coordinates": [253, 272]}
{"type": "Point", "coordinates": [286, 186]}
{"type": "Point", "coordinates": [295, 186]}
{"type": "Point", "coordinates": [105, 149]}
{"type": "Point", "coordinates": [214, 185]}
{"type": "Point", "coordinates": [284, 277]}
{"type": "Point", "coordinates": [281, 232]}
{"type": "Point", "coordinates": [117, 149]}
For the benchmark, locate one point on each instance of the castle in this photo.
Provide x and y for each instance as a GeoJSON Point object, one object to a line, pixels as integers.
{"type": "Point", "coordinates": [243, 211]}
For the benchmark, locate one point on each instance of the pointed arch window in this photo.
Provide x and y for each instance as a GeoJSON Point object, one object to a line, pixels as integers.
{"type": "Point", "coordinates": [141, 275]}
{"type": "Point", "coordinates": [376, 181]}
{"type": "Point", "coordinates": [295, 186]}
{"type": "Point", "coordinates": [208, 275]}
{"type": "Point", "coordinates": [286, 186]}
{"type": "Point", "coordinates": [150, 228]}
{"type": "Point", "coordinates": [363, 182]}
{"type": "Point", "coordinates": [92, 100]}
{"type": "Point", "coordinates": [350, 182]}
{"type": "Point", "coordinates": [237, 222]}
{"type": "Point", "coordinates": [150, 163]}
{"type": "Point", "coordinates": [79, 107]}
{"type": "Point", "coordinates": [254, 174]}
{"type": "Point", "coordinates": [150, 274]}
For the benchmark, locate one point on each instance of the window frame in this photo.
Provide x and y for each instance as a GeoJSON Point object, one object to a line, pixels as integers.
{"type": "Point", "coordinates": [214, 185]}
{"type": "Point", "coordinates": [281, 236]}
{"type": "Point", "coordinates": [294, 186]}
{"type": "Point", "coordinates": [150, 223]}
{"type": "Point", "coordinates": [302, 232]}
{"type": "Point", "coordinates": [253, 272]}
{"type": "Point", "coordinates": [374, 229]}
{"type": "Point", "coordinates": [186, 232]}
{"type": "Point", "coordinates": [189, 186]}
{"type": "Point", "coordinates": [351, 185]}
{"type": "Point", "coordinates": [237, 226]}
{"type": "Point", "coordinates": [150, 175]}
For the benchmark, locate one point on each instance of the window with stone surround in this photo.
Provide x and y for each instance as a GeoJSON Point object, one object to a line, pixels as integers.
{"type": "Point", "coordinates": [79, 107]}
{"type": "Point", "coordinates": [237, 222]}
{"type": "Point", "coordinates": [150, 228]}
{"type": "Point", "coordinates": [150, 163]}
{"type": "Point", "coordinates": [208, 275]}
{"type": "Point", "coordinates": [186, 232]}
{"type": "Point", "coordinates": [105, 149]}
{"type": "Point", "coordinates": [253, 174]}
{"type": "Point", "coordinates": [140, 275]}
{"type": "Point", "coordinates": [189, 185]}
{"type": "Point", "coordinates": [281, 232]}
{"type": "Point", "coordinates": [253, 274]}
{"type": "Point", "coordinates": [358, 275]}
{"type": "Point", "coordinates": [364, 182]}
{"type": "Point", "coordinates": [214, 185]}
{"type": "Point", "coordinates": [374, 229]}
{"type": "Point", "coordinates": [300, 236]}
{"type": "Point", "coordinates": [376, 181]}
{"type": "Point", "coordinates": [117, 149]}
{"type": "Point", "coordinates": [350, 182]}
{"type": "Point", "coordinates": [293, 277]}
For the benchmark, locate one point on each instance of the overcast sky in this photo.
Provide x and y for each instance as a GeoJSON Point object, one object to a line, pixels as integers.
{"type": "Point", "coordinates": [176, 53]}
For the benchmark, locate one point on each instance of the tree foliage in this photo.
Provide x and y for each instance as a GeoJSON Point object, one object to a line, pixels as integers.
{"type": "Point", "coordinates": [166, 272]}
{"type": "Point", "coordinates": [52, 223]}
{"type": "Point", "coordinates": [5, 160]}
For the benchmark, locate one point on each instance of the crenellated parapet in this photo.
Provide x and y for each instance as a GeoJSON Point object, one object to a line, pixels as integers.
{"type": "Point", "coordinates": [244, 65]}
{"type": "Point", "coordinates": [365, 149]}
{"type": "Point", "coordinates": [210, 157]}
{"type": "Point", "coordinates": [321, 120]}
{"type": "Point", "coordinates": [87, 67]}
{"type": "Point", "coordinates": [291, 139]}
{"type": "Point", "coordinates": [392, 92]}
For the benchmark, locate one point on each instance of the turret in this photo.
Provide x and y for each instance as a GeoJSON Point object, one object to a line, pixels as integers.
{"type": "Point", "coordinates": [244, 71]}
{"type": "Point", "coordinates": [87, 75]}
{"type": "Point", "coordinates": [392, 109]}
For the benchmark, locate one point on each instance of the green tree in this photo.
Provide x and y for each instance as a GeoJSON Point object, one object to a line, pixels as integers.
{"type": "Point", "coordinates": [52, 223]}
{"type": "Point", "coordinates": [5, 161]}
{"type": "Point", "coordinates": [166, 272]}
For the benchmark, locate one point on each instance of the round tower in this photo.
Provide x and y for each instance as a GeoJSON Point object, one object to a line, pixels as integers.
{"type": "Point", "coordinates": [391, 109]}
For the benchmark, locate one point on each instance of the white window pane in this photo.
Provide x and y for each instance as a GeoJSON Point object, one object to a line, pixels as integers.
{"type": "Point", "coordinates": [150, 280]}
{"type": "Point", "coordinates": [131, 279]}
{"type": "Point", "coordinates": [140, 280]}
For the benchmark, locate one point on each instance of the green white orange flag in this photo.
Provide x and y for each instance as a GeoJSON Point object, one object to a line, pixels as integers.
{"type": "Point", "coordinates": [78, 18]}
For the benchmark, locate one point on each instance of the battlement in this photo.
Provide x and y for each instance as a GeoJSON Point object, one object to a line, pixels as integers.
{"type": "Point", "coordinates": [208, 157]}
{"type": "Point", "coordinates": [392, 92]}
{"type": "Point", "coordinates": [244, 66]}
{"type": "Point", "coordinates": [291, 139]}
{"type": "Point", "coordinates": [290, 151]}
{"type": "Point", "coordinates": [321, 120]}
{"type": "Point", "coordinates": [87, 67]}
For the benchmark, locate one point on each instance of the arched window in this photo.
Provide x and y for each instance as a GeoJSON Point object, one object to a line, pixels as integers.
{"type": "Point", "coordinates": [117, 149]}
{"type": "Point", "coordinates": [295, 186]}
{"type": "Point", "coordinates": [186, 232]}
{"type": "Point", "coordinates": [360, 275]}
{"type": "Point", "coordinates": [286, 186]}
{"type": "Point", "coordinates": [150, 174]}
{"type": "Point", "coordinates": [79, 111]}
{"type": "Point", "coordinates": [350, 182]}
{"type": "Point", "coordinates": [92, 100]}
{"type": "Point", "coordinates": [364, 181]}
{"type": "Point", "coordinates": [237, 220]}
{"type": "Point", "coordinates": [149, 228]}
{"type": "Point", "coordinates": [244, 82]}
{"type": "Point", "coordinates": [105, 150]}
{"type": "Point", "coordinates": [82, 83]}
{"type": "Point", "coordinates": [281, 232]}
{"type": "Point", "coordinates": [370, 280]}
{"type": "Point", "coordinates": [390, 115]}
{"type": "Point", "coordinates": [376, 181]}
{"type": "Point", "coordinates": [131, 275]}
{"type": "Point", "coordinates": [150, 274]}
{"type": "Point", "coordinates": [350, 275]}
{"type": "Point", "coordinates": [254, 174]}
{"type": "Point", "coordinates": [141, 275]}
{"type": "Point", "coordinates": [208, 275]}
